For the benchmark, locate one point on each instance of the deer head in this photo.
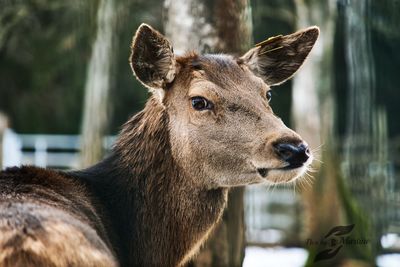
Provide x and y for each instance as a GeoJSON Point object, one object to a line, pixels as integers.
{"type": "Point", "coordinates": [222, 130]}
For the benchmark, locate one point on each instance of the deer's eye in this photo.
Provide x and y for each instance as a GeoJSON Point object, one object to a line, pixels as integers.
{"type": "Point", "coordinates": [200, 103]}
{"type": "Point", "coordinates": [269, 95]}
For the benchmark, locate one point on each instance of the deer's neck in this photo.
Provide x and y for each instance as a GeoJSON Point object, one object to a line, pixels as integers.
{"type": "Point", "coordinates": [156, 214]}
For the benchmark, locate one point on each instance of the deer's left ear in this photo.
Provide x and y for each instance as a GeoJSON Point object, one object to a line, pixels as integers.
{"type": "Point", "coordinates": [152, 59]}
{"type": "Point", "coordinates": [278, 58]}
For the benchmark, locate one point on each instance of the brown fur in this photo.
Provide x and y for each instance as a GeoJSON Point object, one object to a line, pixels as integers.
{"type": "Point", "coordinates": [47, 220]}
{"type": "Point", "coordinates": [162, 190]}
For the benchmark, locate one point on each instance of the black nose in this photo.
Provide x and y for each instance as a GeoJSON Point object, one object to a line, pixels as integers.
{"type": "Point", "coordinates": [295, 155]}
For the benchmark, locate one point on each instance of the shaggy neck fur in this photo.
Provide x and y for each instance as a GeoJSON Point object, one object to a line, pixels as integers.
{"type": "Point", "coordinates": [155, 216]}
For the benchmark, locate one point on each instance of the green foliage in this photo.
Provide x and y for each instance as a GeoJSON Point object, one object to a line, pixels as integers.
{"type": "Point", "coordinates": [45, 46]}
{"type": "Point", "coordinates": [43, 54]}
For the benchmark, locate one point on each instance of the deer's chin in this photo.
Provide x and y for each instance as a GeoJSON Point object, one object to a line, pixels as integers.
{"type": "Point", "coordinates": [283, 174]}
{"type": "Point", "coordinates": [242, 179]}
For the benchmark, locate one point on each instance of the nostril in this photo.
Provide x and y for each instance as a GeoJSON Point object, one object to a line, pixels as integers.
{"type": "Point", "coordinates": [303, 147]}
{"type": "Point", "coordinates": [285, 151]}
{"type": "Point", "coordinates": [293, 154]}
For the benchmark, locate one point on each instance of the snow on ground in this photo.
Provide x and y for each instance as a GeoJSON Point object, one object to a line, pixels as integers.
{"type": "Point", "coordinates": [276, 256]}
{"type": "Point", "coordinates": [296, 257]}
{"type": "Point", "coordinates": [388, 260]}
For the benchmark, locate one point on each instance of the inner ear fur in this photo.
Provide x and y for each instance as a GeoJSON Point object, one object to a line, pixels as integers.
{"type": "Point", "coordinates": [152, 59]}
{"type": "Point", "coordinates": [278, 58]}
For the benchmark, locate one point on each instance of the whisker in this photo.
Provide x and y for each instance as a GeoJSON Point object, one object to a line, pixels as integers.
{"type": "Point", "coordinates": [273, 188]}
{"type": "Point", "coordinates": [268, 187]}
{"type": "Point", "coordinates": [302, 184]}
{"type": "Point", "coordinates": [311, 169]}
{"type": "Point", "coordinates": [306, 178]}
{"type": "Point", "coordinates": [317, 159]}
{"type": "Point", "coordinates": [308, 184]}
{"type": "Point", "coordinates": [306, 181]}
{"type": "Point", "coordinates": [294, 187]}
{"type": "Point", "coordinates": [318, 147]}
{"type": "Point", "coordinates": [316, 151]}
{"type": "Point", "coordinates": [309, 175]}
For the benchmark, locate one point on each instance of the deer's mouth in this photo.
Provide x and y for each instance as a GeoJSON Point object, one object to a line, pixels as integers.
{"type": "Point", "coordinates": [263, 172]}
{"type": "Point", "coordinates": [289, 172]}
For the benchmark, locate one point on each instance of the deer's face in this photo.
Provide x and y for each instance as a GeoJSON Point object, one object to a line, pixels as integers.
{"type": "Point", "coordinates": [222, 128]}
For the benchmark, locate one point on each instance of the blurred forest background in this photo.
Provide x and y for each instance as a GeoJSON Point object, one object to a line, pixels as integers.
{"type": "Point", "coordinates": [56, 56]}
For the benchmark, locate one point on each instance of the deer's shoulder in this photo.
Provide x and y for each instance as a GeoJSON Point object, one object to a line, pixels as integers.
{"type": "Point", "coordinates": [29, 180]}
{"type": "Point", "coordinates": [50, 210]}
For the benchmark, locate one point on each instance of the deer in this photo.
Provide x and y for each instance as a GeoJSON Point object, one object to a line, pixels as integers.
{"type": "Point", "coordinates": [153, 201]}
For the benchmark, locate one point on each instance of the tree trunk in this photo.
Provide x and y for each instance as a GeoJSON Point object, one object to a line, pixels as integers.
{"type": "Point", "coordinates": [98, 83]}
{"type": "Point", "coordinates": [366, 139]}
{"type": "Point", "coordinates": [220, 26]}
{"type": "Point", "coordinates": [313, 116]}
{"type": "Point", "coordinates": [330, 202]}
{"type": "Point", "coordinates": [3, 127]}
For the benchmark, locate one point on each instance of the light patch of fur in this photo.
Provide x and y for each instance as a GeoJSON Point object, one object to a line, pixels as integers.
{"type": "Point", "coordinates": [59, 244]}
{"type": "Point", "coordinates": [169, 66]}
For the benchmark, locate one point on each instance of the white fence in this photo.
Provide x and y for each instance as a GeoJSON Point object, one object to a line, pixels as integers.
{"type": "Point", "coordinates": [52, 151]}
{"type": "Point", "coordinates": [12, 149]}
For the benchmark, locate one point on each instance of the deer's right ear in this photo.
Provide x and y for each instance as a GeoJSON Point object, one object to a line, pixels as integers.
{"type": "Point", "coordinates": [152, 59]}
